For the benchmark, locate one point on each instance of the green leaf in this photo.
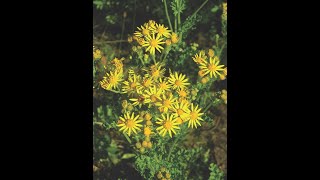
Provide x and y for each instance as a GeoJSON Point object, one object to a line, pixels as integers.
{"type": "Point", "coordinates": [215, 9]}
{"type": "Point", "coordinates": [128, 156]}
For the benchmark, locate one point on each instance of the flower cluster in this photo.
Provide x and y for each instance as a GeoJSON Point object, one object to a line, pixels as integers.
{"type": "Point", "coordinates": [209, 66]}
{"type": "Point", "coordinates": [114, 77]}
{"type": "Point", "coordinates": [152, 36]}
{"type": "Point", "coordinates": [166, 99]}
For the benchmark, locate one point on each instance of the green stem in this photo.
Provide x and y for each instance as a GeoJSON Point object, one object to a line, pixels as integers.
{"type": "Point", "coordinates": [172, 147]}
{"type": "Point", "coordinates": [175, 24]}
{"type": "Point", "coordinates": [205, 2]}
{"type": "Point", "coordinates": [179, 25]}
{"type": "Point", "coordinates": [206, 109]}
{"type": "Point", "coordinates": [142, 61]}
{"type": "Point", "coordinates": [163, 60]}
{"type": "Point", "coordinates": [220, 51]}
{"type": "Point", "coordinates": [122, 31]}
{"type": "Point", "coordinates": [154, 59]}
{"type": "Point", "coordinates": [167, 14]}
{"type": "Point", "coordinates": [128, 139]}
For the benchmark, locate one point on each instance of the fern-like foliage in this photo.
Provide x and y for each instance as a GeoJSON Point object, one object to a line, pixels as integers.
{"type": "Point", "coordinates": [178, 6]}
{"type": "Point", "coordinates": [215, 172]}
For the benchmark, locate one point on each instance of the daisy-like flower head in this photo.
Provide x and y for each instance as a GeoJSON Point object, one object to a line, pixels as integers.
{"type": "Point", "coordinates": [210, 52]}
{"type": "Point", "coordinates": [201, 73]}
{"type": "Point", "coordinates": [146, 82]}
{"type": "Point", "coordinates": [147, 131]}
{"type": "Point", "coordinates": [162, 31]}
{"type": "Point", "coordinates": [183, 93]}
{"type": "Point", "coordinates": [140, 100]}
{"type": "Point", "coordinates": [111, 80]}
{"type": "Point", "coordinates": [163, 85]}
{"type": "Point", "coordinates": [152, 25]}
{"type": "Point", "coordinates": [167, 124]}
{"type": "Point", "coordinates": [166, 103]}
{"type": "Point", "coordinates": [118, 64]}
{"type": "Point", "coordinates": [156, 71]}
{"type": "Point", "coordinates": [129, 123]}
{"type": "Point", "coordinates": [199, 58]}
{"type": "Point", "coordinates": [152, 43]}
{"type": "Point", "coordinates": [97, 54]}
{"type": "Point", "coordinates": [178, 81]}
{"type": "Point", "coordinates": [194, 116]}
{"type": "Point", "coordinates": [132, 85]}
{"type": "Point", "coordinates": [174, 38]}
{"type": "Point", "coordinates": [181, 110]}
{"type": "Point", "coordinates": [212, 67]}
{"type": "Point", "coordinates": [152, 95]}
{"type": "Point", "coordinates": [143, 31]}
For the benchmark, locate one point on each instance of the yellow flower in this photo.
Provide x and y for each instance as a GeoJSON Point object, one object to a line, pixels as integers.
{"type": "Point", "coordinates": [118, 64]}
{"type": "Point", "coordinates": [181, 110]}
{"type": "Point", "coordinates": [152, 95]}
{"type": "Point", "coordinates": [194, 116]}
{"type": "Point", "coordinates": [139, 101]}
{"type": "Point", "coordinates": [166, 103]}
{"type": "Point", "coordinates": [168, 124]}
{"type": "Point", "coordinates": [184, 101]}
{"type": "Point", "coordinates": [163, 85]}
{"type": "Point", "coordinates": [97, 54]}
{"type": "Point", "coordinates": [152, 24]}
{"type": "Point", "coordinates": [201, 73]}
{"type": "Point", "coordinates": [178, 81]}
{"type": "Point", "coordinates": [132, 85]}
{"type": "Point", "coordinates": [222, 77]}
{"type": "Point", "coordinates": [205, 80]}
{"type": "Point", "coordinates": [174, 38]}
{"type": "Point", "coordinates": [211, 53]}
{"type": "Point", "coordinates": [153, 43]}
{"type": "Point", "coordinates": [212, 67]}
{"type": "Point", "coordinates": [140, 41]}
{"type": "Point", "coordinates": [111, 80]}
{"type": "Point", "coordinates": [148, 116]}
{"type": "Point", "coordinates": [183, 93]}
{"type": "Point", "coordinates": [199, 58]}
{"type": "Point", "coordinates": [130, 39]}
{"type": "Point", "coordinates": [168, 42]}
{"type": "Point", "coordinates": [146, 82]}
{"type": "Point", "coordinates": [156, 71]}
{"type": "Point", "coordinates": [225, 71]}
{"type": "Point", "coordinates": [147, 131]}
{"type": "Point", "coordinates": [129, 123]}
{"type": "Point", "coordinates": [163, 31]}
{"type": "Point", "coordinates": [143, 31]}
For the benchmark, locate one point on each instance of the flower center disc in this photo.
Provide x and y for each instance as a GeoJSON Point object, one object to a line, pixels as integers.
{"type": "Point", "coordinates": [168, 125]}
{"type": "Point", "coordinates": [153, 98]}
{"type": "Point", "coordinates": [178, 82]}
{"type": "Point", "coordinates": [193, 115]}
{"type": "Point", "coordinates": [112, 80]}
{"type": "Point", "coordinates": [153, 43]}
{"type": "Point", "coordinates": [133, 85]}
{"type": "Point", "coordinates": [130, 123]}
{"type": "Point", "coordinates": [166, 103]}
{"type": "Point", "coordinates": [212, 67]}
{"type": "Point", "coordinates": [179, 112]}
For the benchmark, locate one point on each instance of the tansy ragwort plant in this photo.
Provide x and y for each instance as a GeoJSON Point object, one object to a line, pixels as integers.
{"type": "Point", "coordinates": [160, 105]}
